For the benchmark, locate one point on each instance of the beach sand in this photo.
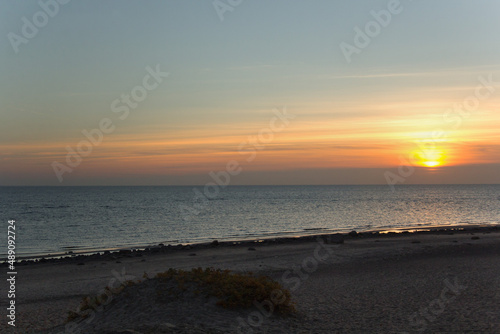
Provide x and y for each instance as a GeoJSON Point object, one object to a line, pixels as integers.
{"type": "Point", "coordinates": [440, 282]}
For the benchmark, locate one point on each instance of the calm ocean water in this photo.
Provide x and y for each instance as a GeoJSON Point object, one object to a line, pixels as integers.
{"type": "Point", "coordinates": [60, 219]}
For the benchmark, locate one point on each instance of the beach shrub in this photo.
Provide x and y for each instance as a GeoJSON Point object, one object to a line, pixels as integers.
{"type": "Point", "coordinates": [91, 303]}
{"type": "Point", "coordinates": [232, 290]}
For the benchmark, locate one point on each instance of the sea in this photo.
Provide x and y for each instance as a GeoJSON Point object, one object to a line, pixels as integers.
{"type": "Point", "coordinates": [59, 220]}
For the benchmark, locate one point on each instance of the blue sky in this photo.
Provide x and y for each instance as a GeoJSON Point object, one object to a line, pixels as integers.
{"type": "Point", "coordinates": [225, 78]}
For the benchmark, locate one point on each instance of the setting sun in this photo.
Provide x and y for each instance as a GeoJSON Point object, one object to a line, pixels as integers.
{"type": "Point", "coordinates": [432, 163]}
{"type": "Point", "coordinates": [430, 158]}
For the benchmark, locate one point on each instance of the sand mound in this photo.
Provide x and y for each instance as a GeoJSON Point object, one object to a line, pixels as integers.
{"type": "Point", "coordinates": [161, 306]}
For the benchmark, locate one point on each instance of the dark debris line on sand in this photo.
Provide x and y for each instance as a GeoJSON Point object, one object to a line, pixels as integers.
{"type": "Point", "coordinates": [333, 238]}
{"type": "Point", "coordinates": [368, 294]}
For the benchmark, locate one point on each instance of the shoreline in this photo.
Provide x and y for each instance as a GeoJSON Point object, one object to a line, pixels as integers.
{"type": "Point", "coordinates": [145, 249]}
{"type": "Point", "coordinates": [366, 276]}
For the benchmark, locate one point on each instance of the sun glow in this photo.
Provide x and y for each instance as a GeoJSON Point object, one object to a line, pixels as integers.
{"type": "Point", "coordinates": [431, 163]}
{"type": "Point", "coordinates": [430, 158]}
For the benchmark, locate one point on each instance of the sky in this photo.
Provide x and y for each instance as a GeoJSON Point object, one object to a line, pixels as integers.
{"type": "Point", "coordinates": [249, 92]}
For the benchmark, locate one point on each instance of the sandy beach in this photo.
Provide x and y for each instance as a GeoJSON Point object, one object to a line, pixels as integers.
{"type": "Point", "coordinates": [439, 282]}
{"type": "Point", "coordinates": [249, 167]}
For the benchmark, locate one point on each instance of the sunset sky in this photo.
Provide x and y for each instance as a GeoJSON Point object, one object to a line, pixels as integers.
{"type": "Point", "coordinates": [421, 89]}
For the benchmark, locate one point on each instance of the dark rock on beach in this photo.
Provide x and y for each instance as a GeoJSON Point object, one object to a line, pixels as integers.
{"type": "Point", "coordinates": [333, 239]}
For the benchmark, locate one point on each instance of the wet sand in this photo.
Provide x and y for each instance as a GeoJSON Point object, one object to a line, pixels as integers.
{"type": "Point", "coordinates": [435, 282]}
